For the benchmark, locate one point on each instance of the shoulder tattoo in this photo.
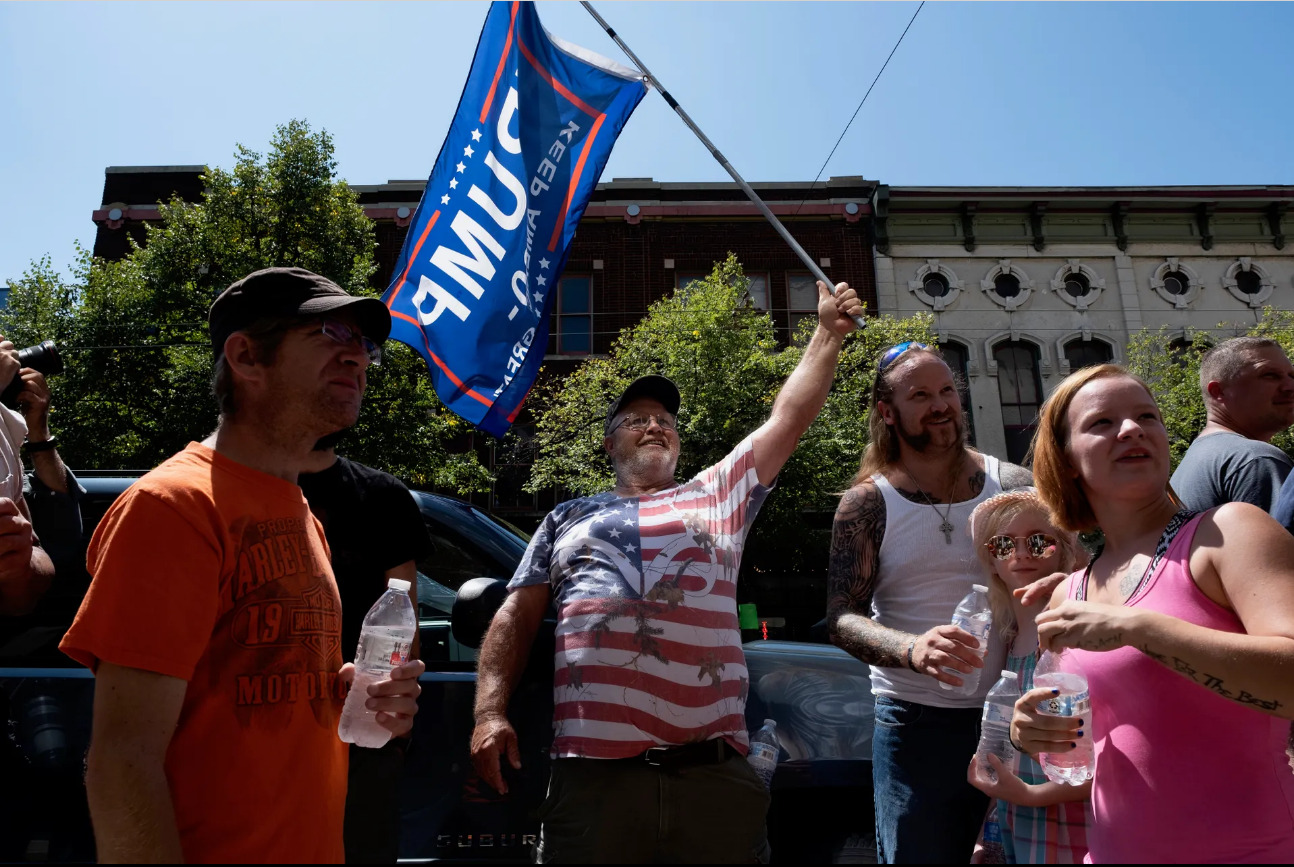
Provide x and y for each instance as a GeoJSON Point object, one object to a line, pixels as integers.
{"type": "Point", "coordinates": [1014, 476]}
{"type": "Point", "coordinates": [856, 537]}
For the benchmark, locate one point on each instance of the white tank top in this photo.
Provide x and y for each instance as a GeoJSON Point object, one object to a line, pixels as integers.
{"type": "Point", "coordinates": [920, 580]}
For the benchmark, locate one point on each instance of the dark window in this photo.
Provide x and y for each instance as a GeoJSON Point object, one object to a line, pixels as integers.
{"type": "Point", "coordinates": [1249, 282]}
{"type": "Point", "coordinates": [512, 461]}
{"type": "Point", "coordinates": [1020, 388]}
{"type": "Point", "coordinates": [4, 297]}
{"type": "Point", "coordinates": [958, 358]}
{"type": "Point", "coordinates": [1076, 285]}
{"type": "Point", "coordinates": [1176, 283]}
{"type": "Point", "coordinates": [935, 285]}
{"type": "Point", "coordinates": [1087, 353]}
{"type": "Point", "coordinates": [802, 297]}
{"type": "Point", "coordinates": [1006, 285]}
{"type": "Point", "coordinates": [571, 332]}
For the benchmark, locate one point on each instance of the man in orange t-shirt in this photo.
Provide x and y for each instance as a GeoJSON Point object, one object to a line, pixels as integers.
{"type": "Point", "coordinates": [213, 622]}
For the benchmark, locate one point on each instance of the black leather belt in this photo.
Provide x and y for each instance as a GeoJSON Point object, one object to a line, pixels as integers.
{"type": "Point", "coordinates": [711, 752]}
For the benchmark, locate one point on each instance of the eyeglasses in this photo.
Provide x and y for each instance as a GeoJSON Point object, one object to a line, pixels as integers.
{"type": "Point", "coordinates": [1038, 546]}
{"type": "Point", "coordinates": [340, 332]}
{"type": "Point", "coordinates": [638, 422]}
{"type": "Point", "coordinates": [887, 357]}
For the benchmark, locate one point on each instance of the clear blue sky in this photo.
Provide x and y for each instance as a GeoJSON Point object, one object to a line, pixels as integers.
{"type": "Point", "coordinates": [979, 93]}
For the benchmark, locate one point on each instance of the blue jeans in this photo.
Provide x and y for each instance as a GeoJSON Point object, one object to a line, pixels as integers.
{"type": "Point", "coordinates": [926, 812]}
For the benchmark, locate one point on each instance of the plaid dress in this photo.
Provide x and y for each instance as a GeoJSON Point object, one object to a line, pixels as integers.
{"type": "Point", "coordinates": [1056, 834]}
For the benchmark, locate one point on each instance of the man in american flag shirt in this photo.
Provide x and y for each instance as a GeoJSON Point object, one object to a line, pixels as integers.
{"type": "Point", "coordinates": [650, 681]}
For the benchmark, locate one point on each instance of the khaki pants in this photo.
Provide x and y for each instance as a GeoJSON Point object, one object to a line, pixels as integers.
{"type": "Point", "coordinates": [626, 812]}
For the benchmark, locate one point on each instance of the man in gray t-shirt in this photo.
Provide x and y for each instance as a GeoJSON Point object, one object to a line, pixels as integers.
{"type": "Point", "coordinates": [1248, 386]}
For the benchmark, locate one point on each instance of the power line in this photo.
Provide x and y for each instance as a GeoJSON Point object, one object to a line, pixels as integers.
{"type": "Point", "coordinates": [860, 104]}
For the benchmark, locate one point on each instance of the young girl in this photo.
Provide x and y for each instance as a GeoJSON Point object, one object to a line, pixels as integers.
{"type": "Point", "coordinates": [1041, 822]}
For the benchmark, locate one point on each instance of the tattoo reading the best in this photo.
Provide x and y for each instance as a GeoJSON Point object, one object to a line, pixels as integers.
{"type": "Point", "coordinates": [1211, 682]}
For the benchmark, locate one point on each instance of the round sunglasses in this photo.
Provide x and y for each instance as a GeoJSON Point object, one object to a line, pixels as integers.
{"type": "Point", "coordinates": [1036, 545]}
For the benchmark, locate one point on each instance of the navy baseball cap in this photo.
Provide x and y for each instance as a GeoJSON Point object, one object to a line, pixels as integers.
{"type": "Point", "coordinates": [654, 386]}
{"type": "Point", "coordinates": [291, 293]}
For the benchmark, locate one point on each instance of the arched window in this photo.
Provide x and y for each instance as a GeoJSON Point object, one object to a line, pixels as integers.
{"type": "Point", "coordinates": [958, 358]}
{"type": "Point", "coordinates": [1019, 385]}
{"type": "Point", "coordinates": [1087, 353]}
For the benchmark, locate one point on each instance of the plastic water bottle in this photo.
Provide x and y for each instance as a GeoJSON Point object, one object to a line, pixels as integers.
{"type": "Point", "coordinates": [1057, 671]}
{"type": "Point", "coordinates": [764, 751]}
{"type": "Point", "coordinates": [973, 615]}
{"type": "Point", "coordinates": [995, 725]}
{"type": "Point", "coordinates": [384, 642]}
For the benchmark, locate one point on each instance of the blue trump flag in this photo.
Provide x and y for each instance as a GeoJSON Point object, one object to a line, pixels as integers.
{"type": "Point", "coordinates": [475, 279]}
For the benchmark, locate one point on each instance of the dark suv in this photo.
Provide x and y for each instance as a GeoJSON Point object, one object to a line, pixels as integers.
{"type": "Point", "coordinates": [820, 697]}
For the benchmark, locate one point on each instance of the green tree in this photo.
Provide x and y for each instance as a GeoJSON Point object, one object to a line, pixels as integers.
{"type": "Point", "coordinates": [725, 357]}
{"type": "Point", "coordinates": [134, 332]}
{"type": "Point", "coordinates": [1172, 370]}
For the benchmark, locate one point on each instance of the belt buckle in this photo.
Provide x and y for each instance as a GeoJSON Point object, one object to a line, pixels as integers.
{"type": "Point", "coordinates": [658, 759]}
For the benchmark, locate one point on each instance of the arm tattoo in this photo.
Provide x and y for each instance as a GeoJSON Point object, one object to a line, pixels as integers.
{"type": "Point", "coordinates": [1212, 682]}
{"type": "Point", "coordinates": [1014, 476]}
{"type": "Point", "coordinates": [855, 550]}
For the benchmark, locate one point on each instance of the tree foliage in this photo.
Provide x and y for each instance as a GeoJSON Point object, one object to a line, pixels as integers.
{"type": "Point", "coordinates": [726, 360]}
{"type": "Point", "coordinates": [1171, 367]}
{"type": "Point", "coordinates": [134, 335]}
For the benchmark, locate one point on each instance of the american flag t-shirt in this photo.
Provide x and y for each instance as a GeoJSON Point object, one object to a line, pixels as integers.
{"type": "Point", "coordinates": [648, 647]}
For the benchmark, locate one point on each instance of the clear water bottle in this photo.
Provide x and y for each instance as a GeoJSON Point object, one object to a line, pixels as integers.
{"type": "Point", "coordinates": [764, 751]}
{"type": "Point", "coordinates": [1058, 671]}
{"type": "Point", "coordinates": [995, 725]}
{"type": "Point", "coordinates": [973, 615]}
{"type": "Point", "coordinates": [384, 642]}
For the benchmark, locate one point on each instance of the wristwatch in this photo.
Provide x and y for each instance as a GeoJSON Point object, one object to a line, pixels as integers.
{"type": "Point", "coordinates": [42, 446]}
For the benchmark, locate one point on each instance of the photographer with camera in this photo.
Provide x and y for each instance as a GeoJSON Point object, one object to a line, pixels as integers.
{"type": "Point", "coordinates": [25, 569]}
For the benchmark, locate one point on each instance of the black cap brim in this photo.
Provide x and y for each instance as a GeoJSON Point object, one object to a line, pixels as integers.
{"type": "Point", "coordinates": [371, 315]}
{"type": "Point", "coordinates": [654, 386]}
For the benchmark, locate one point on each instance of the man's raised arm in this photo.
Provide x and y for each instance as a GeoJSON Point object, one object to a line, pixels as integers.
{"type": "Point", "coordinates": [806, 389]}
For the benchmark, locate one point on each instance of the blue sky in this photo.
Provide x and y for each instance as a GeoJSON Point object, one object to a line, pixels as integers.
{"type": "Point", "coordinates": [979, 93]}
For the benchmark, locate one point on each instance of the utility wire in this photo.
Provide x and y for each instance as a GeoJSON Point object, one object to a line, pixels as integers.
{"type": "Point", "coordinates": [860, 104]}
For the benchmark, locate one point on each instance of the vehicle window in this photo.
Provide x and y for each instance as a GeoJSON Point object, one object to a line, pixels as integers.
{"type": "Point", "coordinates": [454, 560]}
{"type": "Point", "coordinates": [434, 599]}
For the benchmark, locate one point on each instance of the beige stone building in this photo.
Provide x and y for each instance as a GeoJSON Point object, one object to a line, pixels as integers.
{"type": "Point", "coordinates": [1029, 283]}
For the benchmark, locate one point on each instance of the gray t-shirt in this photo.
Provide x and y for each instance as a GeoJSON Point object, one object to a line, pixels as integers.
{"type": "Point", "coordinates": [1227, 468]}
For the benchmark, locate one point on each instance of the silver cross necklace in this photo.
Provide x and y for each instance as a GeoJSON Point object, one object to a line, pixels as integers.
{"type": "Point", "coordinates": [945, 526]}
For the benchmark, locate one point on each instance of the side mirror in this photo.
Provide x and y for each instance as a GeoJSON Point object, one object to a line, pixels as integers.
{"type": "Point", "coordinates": [474, 607]}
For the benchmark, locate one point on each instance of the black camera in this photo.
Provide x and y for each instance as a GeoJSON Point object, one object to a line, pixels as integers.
{"type": "Point", "coordinates": [43, 357]}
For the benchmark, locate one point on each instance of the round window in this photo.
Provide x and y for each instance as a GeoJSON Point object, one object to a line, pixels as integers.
{"type": "Point", "coordinates": [935, 285]}
{"type": "Point", "coordinates": [1249, 282]}
{"type": "Point", "coordinates": [1076, 285]}
{"type": "Point", "coordinates": [1176, 283]}
{"type": "Point", "coordinates": [1006, 285]}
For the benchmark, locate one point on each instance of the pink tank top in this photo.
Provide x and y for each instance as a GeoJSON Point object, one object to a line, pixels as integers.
{"type": "Point", "coordinates": [1182, 775]}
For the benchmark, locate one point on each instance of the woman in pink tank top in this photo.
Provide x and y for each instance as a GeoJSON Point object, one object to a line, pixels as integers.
{"type": "Point", "coordinates": [1184, 628]}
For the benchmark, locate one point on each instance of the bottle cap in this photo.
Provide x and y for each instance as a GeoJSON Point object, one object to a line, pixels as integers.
{"type": "Point", "coordinates": [980, 587]}
{"type": "Point", "coordinates": [398, 584]}
{"type": "Point", "coordinates": [1007, 673]}
{"type": "Point", "coordinates": [771, 722]}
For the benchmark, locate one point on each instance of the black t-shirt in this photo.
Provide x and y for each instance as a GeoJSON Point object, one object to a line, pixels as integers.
{"type": "Point", "coordinates": [372, 524]}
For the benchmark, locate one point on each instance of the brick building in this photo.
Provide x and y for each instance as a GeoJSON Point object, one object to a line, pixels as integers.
{"type": "Point", "coordinates": [638, 240]}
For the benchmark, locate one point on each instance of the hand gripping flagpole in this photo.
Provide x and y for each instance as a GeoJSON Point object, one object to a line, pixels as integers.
{"type": "Point", "coordinates": [723, 161]}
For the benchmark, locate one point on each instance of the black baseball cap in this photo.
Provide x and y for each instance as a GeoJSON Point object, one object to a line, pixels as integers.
{"type": "Point", "coordinates": [288, 293]}
{"type": "Point", "coordinates": [658, 387]}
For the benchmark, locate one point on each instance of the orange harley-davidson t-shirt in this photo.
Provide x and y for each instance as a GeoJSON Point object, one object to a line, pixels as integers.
{"type": "Point", "coordinates": [215, 573]}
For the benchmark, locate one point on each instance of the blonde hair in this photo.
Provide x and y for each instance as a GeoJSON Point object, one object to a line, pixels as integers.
{"type": "Point", "coordinates": [987, 521]}
{"type": "Point", "coordinates": [1053, 471]}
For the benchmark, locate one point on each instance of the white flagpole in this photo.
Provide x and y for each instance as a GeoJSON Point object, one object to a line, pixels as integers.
{"type": "Point", "coordinates": [723, 161]}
